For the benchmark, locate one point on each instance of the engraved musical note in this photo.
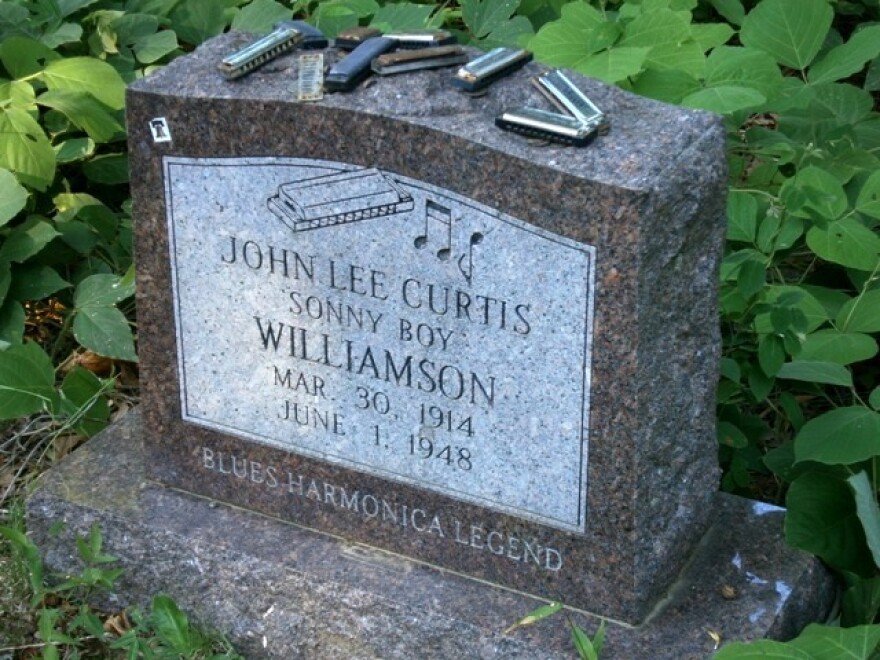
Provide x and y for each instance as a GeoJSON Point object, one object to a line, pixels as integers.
{"type": "Point", "coordinates": [476, 239]}
{"type": "Point", "coordinates": [438, 219]}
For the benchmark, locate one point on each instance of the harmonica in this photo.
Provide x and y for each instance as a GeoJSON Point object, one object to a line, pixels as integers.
{"type": "Point", "coordinates": [348, 72]}
{"type": "Point", "coordinates": [259, 52]}
{"type": "Point", "coordinates": [546, 125]}
{"type": "Point", "coordinates": [313, 38]}
{"type": "Point", "coordinates": [488, 68]}
{"type": "Point", "coordinates": [353, 37]}
{"type": "Point", "coordinates": [414, 60]}
{"type": "Point", "coordinates": [562, 93]}
{"type": "Point", "coordinates": [422, 38]}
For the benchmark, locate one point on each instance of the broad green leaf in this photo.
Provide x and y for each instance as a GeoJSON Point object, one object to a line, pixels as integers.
{"type": "Point", "coordinates": [836, 643]}
{"type": "Point", "coordinates": [68, 7]}
{"type": "Point", "coordinates": [485, 16]}
{"type": "Point", "coordinates": [13, 196]}
{"type": "Point", "coordinates": [846, 242]}
{"type": "Point", "coordinates": [26, 240]}
{"type": "Point", "coordinates": [874, 399]}
{"type": "Point", "coordinates": [742, 216]}
{"type": "Point", "coordinates": [846, 103]}
{"type": "Point", "coordinates": [171, 623]}
{"type": "Point", "coordinates": [711, 35]}
{"type": "Point", "coordinates": [11, 323]}
{"type": "Point", "coordinates": [84, 111]}
{"type": "Point", "coordinates": [842, 436]}
{"type": "Point", "coordinates": [816, 372]}
{"type": "Point", "coordinates": [27, 381]}
{"type": "Point", "coordinates": [35, 282]}
{"type": "Point", "coordinates": [571, 39]}
{"type": "Point", "coordinates": [868, 201]}
{"type": "Point", "coordinates": [195, 22]}
{"type": "Point", "coordinates": [743, 67]}
{"type": "Point", "coordinates": [732, 10]}
{"type": "Point", "coordinates": [868, 511]}
{"type": "Point", "coordinates": [403, 16]}
{"type": "Point", "coordinates": [849, 58]}
{"type": "Point", "coordinates": [515, 32]}
{"type": "Point", "coordinates": [687, 57]}
{"type": "Point", "coordinates": [106, 331]}
{"type": "Point", "coordinates": [669, 86]}
{"type": "Point", "coordinates": [154, 47]}
{"type": "Point", "coordinates": [73, 150]}
{"type": "Point", "coordinates": [19, 93]}
{"type": "Point", "coordinates": [771, 354]}
{"type": "Point", "coordinates": [814, 191]}
{"type": "Point", "coordinates": [67, 33]}
{"type": "Point", "coordinates": [538, 614]}
{"type": "Point", "coordinates": [724, 99]}
{"type": "Point", "coordinates": [131, 26]}
{"type": "Point", "coordinates": [652, 28]}
{"type": "Point", "coordinates": [5, 280]}
{"type": "Point", "coordinates": [764, 649]}
{"type": "Point", "coordinates": [332, 18]}
{"type": "Point", "coordinates": [832, 345]}
{"type": "Point", "coordinates": [861, 314]}
{"type": "Point", "coordinates": [23, 56]}
{"type": "Point", "coordinates": [811, 308]}
{"type": "Point", "coordinates": [613, 65]}
{"type": "Point", "coordinates": [25, 149]}
{"type": "Point", "coordinates": [101, 291]}
{"type": "Point", "coordinates": [752, 277]}
{"type": "Point", "coordinates": [872, 77]}
{"type": "Point", "coordinates": [259, 16]}
{"type": "Point", "coordinates": [729, 435]}
{"type": "Point", "coordinates": [83, 400]}
{"type": "Point", "coordinates": [108, 169]}
{"type": "Point", "coordinates": [822, 520]}
{"type": "Point", "coordinates": [87, 74]}
{"type": "Point", "coordinates": [792, 31]}
{"type": "Point", "coordinates": [860, 603]}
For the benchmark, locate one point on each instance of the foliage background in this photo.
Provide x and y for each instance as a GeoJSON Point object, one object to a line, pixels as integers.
{"type": "Point", "coordinates": [797, 82]}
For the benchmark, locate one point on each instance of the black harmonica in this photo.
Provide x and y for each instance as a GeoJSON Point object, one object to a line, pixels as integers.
{"type": "Point", "coordinates": [414, 60]}
{"type": "Point", "coordinates": [422, 38]}
{"type": "Point", "coordinates": [488, 68]}
{"type": "Point", "coordinates": [259, 52]}
{"type": "Point", "coordinates": [546, 125]}
{"type": "Point", "coordinates": [562, 93]}
{"type": "Point", "coordinates": [353, 37]}
{"type": "Point", "coordinates": [313, 38]}
{"type": "Point", "coordinates": [348, 72]}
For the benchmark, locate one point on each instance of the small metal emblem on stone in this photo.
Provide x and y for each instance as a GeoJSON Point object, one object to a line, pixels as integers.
{"type": "Point", "coordinates": [159, 129]}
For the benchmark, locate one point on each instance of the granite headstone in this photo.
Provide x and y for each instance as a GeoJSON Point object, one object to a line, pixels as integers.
{"type": "Point", "coordinates": [385, 321]}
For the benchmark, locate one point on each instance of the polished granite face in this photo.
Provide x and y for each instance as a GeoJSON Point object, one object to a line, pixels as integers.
{"type": "Point", "coordinates": [381, 317]}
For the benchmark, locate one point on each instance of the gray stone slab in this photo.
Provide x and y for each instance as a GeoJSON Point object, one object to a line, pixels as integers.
{"type": "Point", "coordinates": [282, 591]}
{"type": "Point", "coordinates": [592, 464]}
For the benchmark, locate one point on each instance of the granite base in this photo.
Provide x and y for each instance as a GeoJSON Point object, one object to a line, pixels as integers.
{"type": "Point", "coordinates": [282, 591]}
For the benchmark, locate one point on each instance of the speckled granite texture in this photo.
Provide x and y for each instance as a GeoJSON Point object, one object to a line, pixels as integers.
{"type": "Point", "coordinates": [649, 196]}
{"type": "Point", "coordinates": [280, 591]}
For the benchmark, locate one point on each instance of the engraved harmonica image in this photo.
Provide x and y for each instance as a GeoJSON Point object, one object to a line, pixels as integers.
{"type": "Point", "coordinates": [486, 69]}
{"type": "Point", "coordinates": [353, 37]}
{"type": "Point", "coordinates": [546, 125]}
{"type": "Point", "coordinates": [562, 93]}
{"type": "Point", "coordinates": [257, 53]}
{"type": "Point", "coordinates": [422, 38]}
{"type": "Point", "coordinates": [313, 38]}
{"type": "Point", "coordinates": [348, 72]}
{"type": "Point", "coordinates": [414, 60]}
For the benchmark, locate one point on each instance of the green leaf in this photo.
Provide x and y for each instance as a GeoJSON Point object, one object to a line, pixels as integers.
{"type": "Point", "coordinates": [771, 354]}
{"type": "Point", "coordinates": [614, 65]}
{"type": "Point", "coordinates": [842, 436]}
{"type": "Point", "coordinates": [87, 74]}
{"type": "Point", "coordinates": [102, 291]}
{"type": "Point", "coordinates": [13, 196]}
{"type": "Point", "coordinates": [833, 345]}
{"type": "Point", "coordinates": [195, 22]}
{"type": "Point", "coordinates": [743, 67]}
{"type": "Point", "coordinates": [724, 99]}
{"type": "Point", "coordinates": [752, 277]}
{"type": "Point", "coordinates": [729, 435]}
{"type": "Point", "coordinates": [667, 34]}
{"type": "Point", "coordinates": [485, 16]}
{"type": "Point", "coordinates": [846, 103]}
{"type": "Point", "coordinates": [171, 624]}
{"type": "Point", "coordinates": [109, 169]}
{"type": "Point", "coordinates": [792, 31]}
{"type": "Point", "coordinates": [11, 324]}
{"type": "Point", "coordinates": [868, 511]}
{"type": "Point", "coordinates": [847, 59]}
{"type": "Point", "coordinates": [27, 381]}
{"type": "Point", "coordinates": [846, 242]}
{"type": "Point", "coordinates": [105, 331]}
{"type": "Point", "coordinates": [84, 111]}
{"type": "Point", "coordinates": [861, 603]}
{"type": "Point", "coordinates": [814, 191]}
{"type": "Point", "coordinates": [822, 520]}
{"type": "Point", "coordinates": [25, 149]}
{"type": "Point", "coordinates": [66, 33]}
{"type": "Point", "coordinates": [868, 201]}
{"type": "Point", "coordinates": [669, 86]}
{"type": "Point", "coordinates": [154, 47]}
{"type": "Point", "coordinates": [536, 615]}
{"type": "Point", "coordinates": [23, 56]}
{"type": "Point", "coordinates": [331, 18]}
{"type": "Point", "coordinates": [403, 16]}
{"type": "Point", "coordinates": [836, 643]}
{"type": "Point", "coordinates": [874, 399]}
{"type": "Point", "coordinates": [75, 149]}
{"type": "Point", "coordinates": [801, 300]}
{"type": "Point", "coordinates": [742, 216]}
{"type": "Point", "coordinates": [764, 649]}
{"type": "Point", "coordinates": [515, 32]}
{"type": "Point", "coordinates": [711, 35]}
{"type": "Point", "coordinates": [259, 16]}
{"type": "Point", "coordinates": [861, 314]}
{"type": "Point", "coordinates": [816, 372]}
{"type": "Point", "coordinates": [26, 240]}
{"type": "Point", "coordinates": [571, 39]}
{"type": "Point", "coordinates": [5, 280]}
{"type": "Point", "coordinates": [84, 401]}
{"type": "Point", "coordinates": [68, 7]}
{"type": "Point", "coordinates": [35, 282]}
{"type": "Point", "coordinates": [732, 10]}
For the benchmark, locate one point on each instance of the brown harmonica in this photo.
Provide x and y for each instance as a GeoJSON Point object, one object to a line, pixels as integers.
{"type": "Point", "coordinates": [415, 60]}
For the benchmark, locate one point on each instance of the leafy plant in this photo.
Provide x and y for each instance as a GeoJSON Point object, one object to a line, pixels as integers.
{"type": "Point", "coordinates": [587, 648]}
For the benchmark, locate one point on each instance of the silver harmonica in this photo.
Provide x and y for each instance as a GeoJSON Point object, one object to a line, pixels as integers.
{"type": "Point", "coordinates": [422, 38]}
{"type": "Point", "coordinates": [415, 60]}
{"type": "Point", "coordinates": [562, 93]}
{"type": "Point", "coordinates": [486, 69]}
{"type": "Point", "coordinates": [257, 53]}
{"type": "Point", "coordinates": [546, 125]}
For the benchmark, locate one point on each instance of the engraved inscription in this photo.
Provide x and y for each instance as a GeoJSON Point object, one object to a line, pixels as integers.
{"type": "Point", "coordinates": [386, 325]}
